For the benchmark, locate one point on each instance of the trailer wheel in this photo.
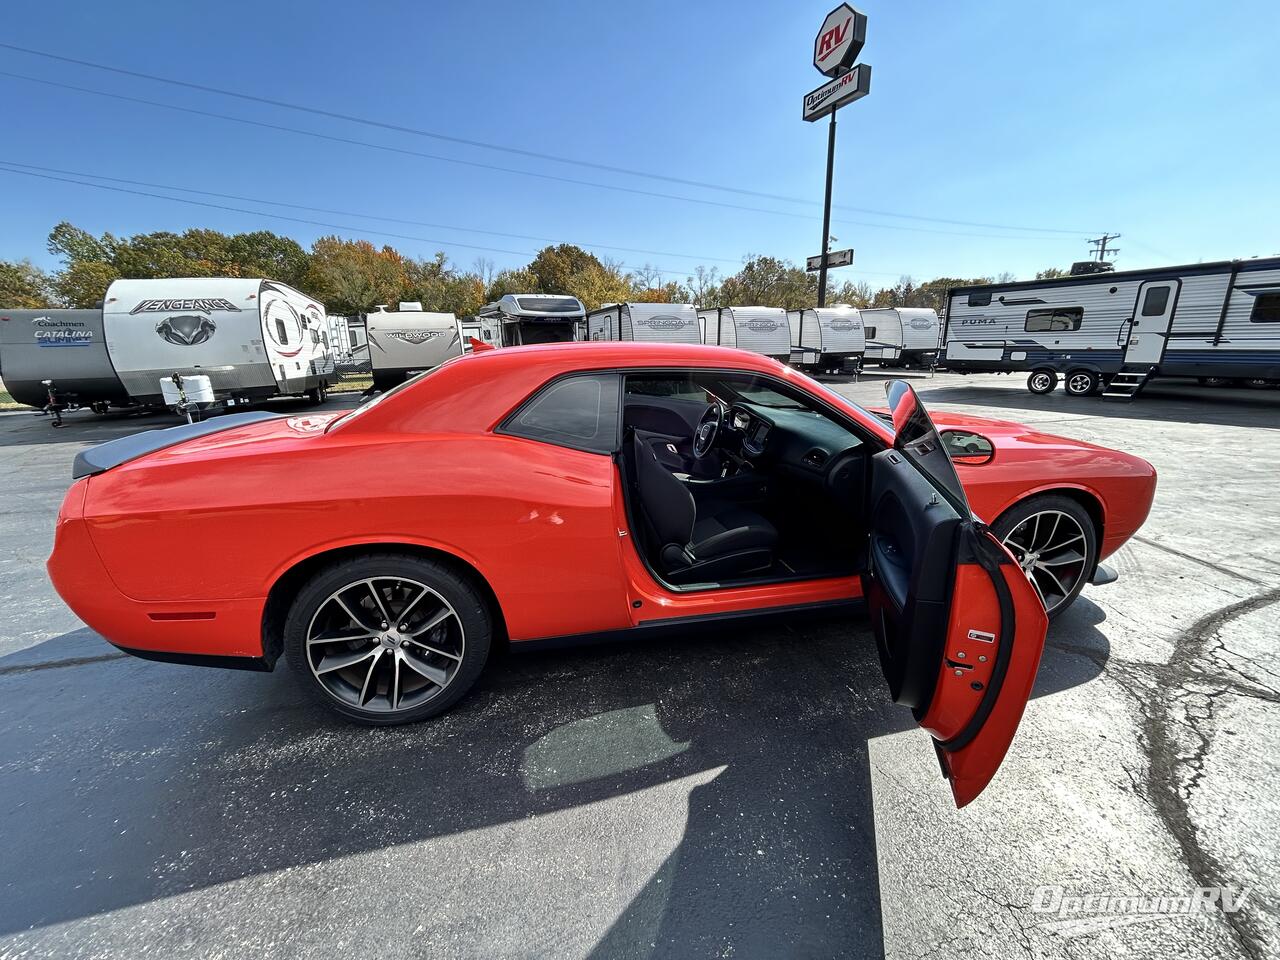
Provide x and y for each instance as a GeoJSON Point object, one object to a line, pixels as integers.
{"type": "Point", "coordinates": [318, 394]}
{"type": "Point", "coordinates": [1042, 381]}
{"type": "Point", "coordinates": [1081, 383]}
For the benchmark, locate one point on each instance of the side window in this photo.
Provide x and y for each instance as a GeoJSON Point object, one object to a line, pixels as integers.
{"type": "Point", "coordinates": [980, 299]}
{"type": "Point", "coordinates": [869, 333]}
{"type": "Point", "coordinates": [282, 335]}
{"type": "Point", "coordinates": [1155, 301]}
{"type": "Point", "coordinates": [677, 388]}
{"type": "Point", "coordinates": [579, 412]}
{"type": "Point", "coordinates": [1058, 320]}
{"type": "Point", "coordinates": [1266, 308]}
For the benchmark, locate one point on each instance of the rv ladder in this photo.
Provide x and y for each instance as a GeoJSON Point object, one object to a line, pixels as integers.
{"type": "Point", "coordinates": [1127, 384]}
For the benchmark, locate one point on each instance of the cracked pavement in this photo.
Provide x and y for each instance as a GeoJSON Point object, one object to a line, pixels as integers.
{"type": "Point", "coordinates": [738, 792]}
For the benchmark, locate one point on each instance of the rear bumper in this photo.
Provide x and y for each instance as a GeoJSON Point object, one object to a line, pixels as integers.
{"type": "Point", "coordinates": [155, 629]}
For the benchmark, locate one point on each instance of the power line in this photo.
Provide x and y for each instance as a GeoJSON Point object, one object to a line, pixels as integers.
{"type": "Point", "coordinates": [365, 216]}
{"type": "Point", "coordinates": [518, 151]}
{"type": "Point", "coordinates": [317, 223]}
{"type": "Point", "coordinates": [488, 166]}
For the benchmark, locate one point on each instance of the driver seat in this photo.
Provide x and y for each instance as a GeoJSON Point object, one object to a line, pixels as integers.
{"type": "Point", "coordinates": [697, 542]}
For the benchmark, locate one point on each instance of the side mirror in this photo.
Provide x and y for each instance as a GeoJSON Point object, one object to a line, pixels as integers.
{"type": "Point", "coordinates": [969, 449]}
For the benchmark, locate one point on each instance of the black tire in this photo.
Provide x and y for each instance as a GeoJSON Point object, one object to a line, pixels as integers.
{"type": "Point", "coordinates": [1080, 383]}
{"type": "Point", "coordinates": [1042, 381]}
{"type": "Point", "coordinates": [1047, 504]}
{"type": "Point", "coordinates": [318, 394]}
{"type": "Point", "coordinates": [454, 589]}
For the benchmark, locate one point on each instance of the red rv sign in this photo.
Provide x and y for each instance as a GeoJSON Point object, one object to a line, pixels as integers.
{"type": "Point", "coordinates": [840, 40]}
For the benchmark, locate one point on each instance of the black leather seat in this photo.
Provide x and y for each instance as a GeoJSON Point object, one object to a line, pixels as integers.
{"type": "Point", "coordinates": [697, 542]}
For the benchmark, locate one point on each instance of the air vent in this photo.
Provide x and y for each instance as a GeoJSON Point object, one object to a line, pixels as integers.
{"type": "Point", "coordinates": [815, 458]}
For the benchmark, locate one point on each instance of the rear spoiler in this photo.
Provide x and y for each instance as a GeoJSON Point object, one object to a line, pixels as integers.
{"type": "Point", "coordinates": [115, 452]}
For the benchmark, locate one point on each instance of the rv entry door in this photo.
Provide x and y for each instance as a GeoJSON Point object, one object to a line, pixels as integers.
{"type": "Point", "coordinates": [1152, 315]}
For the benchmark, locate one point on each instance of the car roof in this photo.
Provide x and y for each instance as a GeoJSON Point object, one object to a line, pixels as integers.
{"type": "Point", "coordinates": [594, 353]}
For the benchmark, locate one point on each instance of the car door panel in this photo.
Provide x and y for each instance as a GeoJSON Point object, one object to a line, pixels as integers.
{"type": "Point", "coordinates": [958, 626]}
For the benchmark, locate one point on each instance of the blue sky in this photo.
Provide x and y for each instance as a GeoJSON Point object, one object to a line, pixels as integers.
{"type": "Point", "coordinates": [1155, 120]}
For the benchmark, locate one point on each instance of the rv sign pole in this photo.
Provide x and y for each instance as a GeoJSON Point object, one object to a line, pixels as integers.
{"type": "Point", "coordinates": [836, 47]}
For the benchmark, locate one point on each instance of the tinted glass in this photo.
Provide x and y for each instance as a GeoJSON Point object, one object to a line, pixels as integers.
{"type": "Point", "coordinates": [549, 304]}
{"type": "Point", "coordinates": [579, 412]}
{"type": "Point", "coordinates": [869, 332]}
{"type": "Point", "coordinates": [980, 299]}
{"type": "Point", "coordinates": [1266, 308]}
{"type": "Point", "coordinates": [1055, 320]}
{"type": "Point", "coordinates": [916, 438]}
{"type": "Point", "coordinates": [1156, 300]}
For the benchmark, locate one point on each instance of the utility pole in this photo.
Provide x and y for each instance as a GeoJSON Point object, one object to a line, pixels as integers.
{"type": "Point", "coordinates": [826, 212]}
{"type": "Point", "coordinates": [1100, 246]}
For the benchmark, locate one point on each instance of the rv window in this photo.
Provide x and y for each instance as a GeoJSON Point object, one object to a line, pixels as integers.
{"type": "Point", "coordinates": [1155, 301]}
{"type": "Point", "coordinates": [579, 412]}
{"type": "Point", "coordinates": [282, 335]}
{"type": "Point", "coordinates": [869, 333]}
{"type": "Point", "coordinates": [980, 299]}
{"type": "Point", "coordinates": [1054, 321]}
{"type": "Point", "coordinates": [1266, 308]}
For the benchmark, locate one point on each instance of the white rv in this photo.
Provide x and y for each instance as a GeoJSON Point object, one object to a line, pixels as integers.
{"type": "Point", "coordinates": [252, 338]}
{"type": "Point", "coordinates": [65, 346]}
{"type": "Point", "coordinates": [645, 322]}
{"type": "Point", "coordinates": [763, 330]}
{"type": "Point", "coordinates": [827, 338]}
{"type": "Point", "coordinates": [524, 318]}
{"type": "Point", "coordinates": [405, 342]}
{"type": "Point", "coordinates": [901, 336]}
{"type": "Point", "coordinates": [1118, 330]}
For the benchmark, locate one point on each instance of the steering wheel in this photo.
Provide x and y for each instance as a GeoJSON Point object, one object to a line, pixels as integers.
{"type": "Point", "coordinates": [704, 438]}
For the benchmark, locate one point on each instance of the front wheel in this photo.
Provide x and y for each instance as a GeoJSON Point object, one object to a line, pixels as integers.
{"type": "Point", "coordinates": [1042, 381]}
{"type": "Point", "coordinates": [1055, 543]}
{"type": "Point", "coordinates": [388, 638]}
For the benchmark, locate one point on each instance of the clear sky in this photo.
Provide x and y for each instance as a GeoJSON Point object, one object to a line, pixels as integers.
{"type": "Point", "coordinates": [1156, 120]}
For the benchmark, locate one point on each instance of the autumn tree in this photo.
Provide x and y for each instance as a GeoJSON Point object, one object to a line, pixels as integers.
{"type": "Point", "coordinates": [354, 276]}
{"type": "Point", "coordinates": [438, 286]}
{"type": "Point", "coordinates": [24, 286]}
{"type": "Point", "coordinates": [1050, 273]}
{"type": "Point", "coordinates": [769, 282]}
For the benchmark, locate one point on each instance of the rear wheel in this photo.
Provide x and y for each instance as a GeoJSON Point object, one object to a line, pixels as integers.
{"type": "Point", "coordinates": [1042, 381]}
{"type": "Point", "coordinates": [388, 638]}
{"type": "Point", "coordinates": [1081, 383]}
{"type": "Point", "coordinates": [318, 394]}
{"type": "Point", "coordinates": [1055, 543]}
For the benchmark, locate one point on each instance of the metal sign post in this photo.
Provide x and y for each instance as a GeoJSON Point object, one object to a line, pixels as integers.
{"type": "Point", "coordinates": [836, 47]}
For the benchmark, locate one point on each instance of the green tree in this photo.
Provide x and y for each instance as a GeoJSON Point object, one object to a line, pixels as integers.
{"type": "Point", "coordinates": [1050, 273]}
{"type": "Point", "coordinates": [84, 283]}
{"type": "Point", "coordinates": [439, 286]}
{"type": "Point", "coordinates": [769, 282]}
{"type": "Point", "coordinates": [75, 245]}
{"type": "Point", "coordinates": [354, 276]}
{"type": "Point", "coordinates": [24, 286]}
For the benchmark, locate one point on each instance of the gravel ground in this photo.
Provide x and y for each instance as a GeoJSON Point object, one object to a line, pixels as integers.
{"type": "Point", "coordinates": [744, 792]}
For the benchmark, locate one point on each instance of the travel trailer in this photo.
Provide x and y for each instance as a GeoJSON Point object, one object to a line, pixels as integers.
{"type": "Point", "coordinates": [1115, 331]}
{"type": "Point", "coordinates": [405, 342]}
{"type": "Point", "coordinates": [763, 330]}
{"type": "Point", "coordinates": [901, 336]}
{"type": "Point", "coordinates": [66, 347]}
{"type": "Point", "coordinates": [827, 338]}
{"type": "Point", "coordinates": [645, 322]}
{"type": "Point", "coordinates": [252, 338]}
{"type": "Point", "coordinates": [524, 318]}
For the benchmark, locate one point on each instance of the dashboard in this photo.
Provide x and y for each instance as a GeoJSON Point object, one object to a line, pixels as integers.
{"type": "Point", "coordinates": [800, 443]}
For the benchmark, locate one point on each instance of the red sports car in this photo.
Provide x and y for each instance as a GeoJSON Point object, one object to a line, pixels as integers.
{"type": "Point", "coordinates": [590, 488]}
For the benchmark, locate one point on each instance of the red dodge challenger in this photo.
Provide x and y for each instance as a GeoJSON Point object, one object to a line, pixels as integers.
{"type": "Point", "coordinates": [586, 489]}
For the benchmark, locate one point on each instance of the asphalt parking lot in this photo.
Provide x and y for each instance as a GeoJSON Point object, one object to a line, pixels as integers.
{"type": "Point", "coordinates": [744, 793]}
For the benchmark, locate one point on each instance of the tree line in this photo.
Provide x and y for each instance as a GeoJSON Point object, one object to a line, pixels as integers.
{"type": "Point", "coordinates": [355, 276]}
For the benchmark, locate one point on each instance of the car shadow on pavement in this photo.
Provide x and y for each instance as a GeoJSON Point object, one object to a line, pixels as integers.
{"type": "Point", "coordinates": [130, 781]}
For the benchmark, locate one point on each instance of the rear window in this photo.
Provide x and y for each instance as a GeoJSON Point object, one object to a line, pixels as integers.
{"type": "Point", "coordinates": [579, 412]}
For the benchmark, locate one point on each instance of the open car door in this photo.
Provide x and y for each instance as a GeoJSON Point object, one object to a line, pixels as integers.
{"type": "Point", "coordinates": [958, 625]}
